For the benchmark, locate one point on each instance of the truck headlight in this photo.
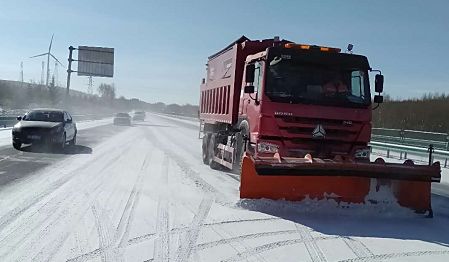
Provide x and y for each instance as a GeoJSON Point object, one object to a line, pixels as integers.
{"type": "Point", "coordinates": [265, 147]}
{"type": "Point", "coordinates": [363, 153]}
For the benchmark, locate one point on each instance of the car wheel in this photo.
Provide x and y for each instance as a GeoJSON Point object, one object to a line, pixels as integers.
{"type": "Point", "coordinates": [62, 145]}
{"type": "Point", "coordinates": [73, 141]}
{"type": "Point", "coordinates": [17, 145]}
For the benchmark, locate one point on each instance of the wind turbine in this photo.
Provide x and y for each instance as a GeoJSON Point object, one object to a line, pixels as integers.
{"type": "Point", "coordinates": [48, 54]}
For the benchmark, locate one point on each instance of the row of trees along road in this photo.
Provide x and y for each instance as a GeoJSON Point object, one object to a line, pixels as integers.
{"type": "Point", "coordinates": [428, 113]}
{"type": "Point", "coordinates": [21, 95]}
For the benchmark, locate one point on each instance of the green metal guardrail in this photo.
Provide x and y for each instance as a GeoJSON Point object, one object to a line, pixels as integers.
{"type": "Point", "coordinates": [403, 150]}
{"type": "Point", "coordinates": [411, 141]}
{"type": "Point", "coordinates": [411, 138]}
{"type": "Point", "coordinates": [6, 121]}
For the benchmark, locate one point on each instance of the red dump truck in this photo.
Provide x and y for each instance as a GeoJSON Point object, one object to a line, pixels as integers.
{"type": "Point", "coordinates": [295, 121]}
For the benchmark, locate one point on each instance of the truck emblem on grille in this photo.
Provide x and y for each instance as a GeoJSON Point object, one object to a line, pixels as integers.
{"type": "Point", "coordinates": [319, 132]}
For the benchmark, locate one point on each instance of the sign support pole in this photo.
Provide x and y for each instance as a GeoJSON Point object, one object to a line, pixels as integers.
{"type": "Point", "coordinates": [69, 70]}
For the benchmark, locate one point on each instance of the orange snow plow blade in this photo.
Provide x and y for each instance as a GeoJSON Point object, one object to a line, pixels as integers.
{"type": "Point", "coordinates": [297, 178]}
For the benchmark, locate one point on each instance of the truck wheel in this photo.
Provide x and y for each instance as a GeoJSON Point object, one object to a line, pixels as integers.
{"type": "Point", "coordinates": [204, 149]}
{"type": "Point", "coordinates": [240, 146]}
{"type": "Point", "coordinates": [211, 149]}
{"type": "Point", "coordinates": [17, 145]}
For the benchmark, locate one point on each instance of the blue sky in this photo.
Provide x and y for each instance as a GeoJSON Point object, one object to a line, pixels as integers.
{"type": "Point", "coordinates": [161, 46]}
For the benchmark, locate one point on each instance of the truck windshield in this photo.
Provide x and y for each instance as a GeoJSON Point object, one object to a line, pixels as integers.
{"type": "Point", "coordinates": [316, 84]}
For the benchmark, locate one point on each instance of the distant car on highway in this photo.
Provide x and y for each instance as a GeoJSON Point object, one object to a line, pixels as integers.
{"type": "Point", "coordinates": [44, 126]}
{"type": "Point", "coordinates": [139, 116]}
{"type": "Point", "coordinates": [122, 119]}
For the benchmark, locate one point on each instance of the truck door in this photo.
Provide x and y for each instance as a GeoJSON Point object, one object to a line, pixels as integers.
{"type": "Point", "coordinates": [248, 100]}
{"type": "Point", "coordinates": [252, 105]}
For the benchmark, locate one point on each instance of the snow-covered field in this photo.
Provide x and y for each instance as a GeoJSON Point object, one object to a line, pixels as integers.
{"type": "Point", "coordinates": [144, 195]}
{"type": "Point", "coordinates": [6, 135]}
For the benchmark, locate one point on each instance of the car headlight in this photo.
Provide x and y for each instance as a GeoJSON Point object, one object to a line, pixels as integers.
{"type": "Point", "coordinates": [265, 147]}
{"type": "Point", "coordinates": [363, 153]}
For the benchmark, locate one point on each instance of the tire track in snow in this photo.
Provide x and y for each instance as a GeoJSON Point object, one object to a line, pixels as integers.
{"type": "Point", "coordinates": [315, 252]}
{"type": "Point", "coordinates": [263, 220]}
{"type": "Point", "coordinates": [358, 248]}
{"type": "Point", "coordinates": [56, 205]}
{"type": "Point", "coordinates": [47, 253]}
{"type": "Point", "coordinates": [161, 247]}
{"type": "Point", "coordinates": [142, 238]}
{"type": "Point", "coordinates": [80, 209]}
{"type": "Point", "coordinates": [12, 215]}
{"type": "Point", "coordinates": [398, 255]}
{"type": "Point", "coordinates": [35, 227]}
{"type": "Point", "coordinates": [91, 192]}
{"type": "Point", "coordinates": [122, 230]}
{"type": "Point", "coordinates": [104, 236]}
{"type": "Point", "coordinates": [274, 245]}
{"type": "Point", "coordinates": [225, 241]}
{"type": "Point", "coordinates": [196, 155]}
{"type": "Point", "coordinates": [183, 165]}
{"type": "Point", "coordinates": [111, 246]}
{"type": "Point", "coordinates": [87, 256]}
{"type": "Point", "coordinates": [188, 244]}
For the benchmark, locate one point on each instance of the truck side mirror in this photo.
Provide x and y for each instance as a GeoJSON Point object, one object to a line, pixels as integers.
{"type": "Point", "coordinates": [378, 99]}
{"type": "Point", "coordinates": [19, 118]}
{"type": "Point", "coordinates": [249, 89]}
{"type": "Point", "coordinates": [379, 83]}
{"type": "Point", "coordinates": [249, 77]}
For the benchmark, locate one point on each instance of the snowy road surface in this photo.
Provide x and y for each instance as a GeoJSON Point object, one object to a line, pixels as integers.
{"type": "Point", "coordinates": [141, 193]}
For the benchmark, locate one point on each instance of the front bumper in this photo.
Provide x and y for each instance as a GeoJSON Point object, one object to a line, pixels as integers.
{"type": "Point", "coordinates": [37, 138]}
{"type": "Point", "coordinates": [122, 122]}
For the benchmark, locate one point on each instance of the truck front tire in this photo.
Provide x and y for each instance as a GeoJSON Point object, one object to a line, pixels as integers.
{"type": "Point", "coordinates": [240, 141]}
{"type": "Point", "coordinates": [204, 149]}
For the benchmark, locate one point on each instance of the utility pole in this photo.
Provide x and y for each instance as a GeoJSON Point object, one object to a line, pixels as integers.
{"type": "Point", "coordinates": [90, 86]}
{"type": "Point", "coordinates": [42, 73]}
{"type": "Point", "coordinates": [21, 72]}
{"type": "Point", "coordinates": [69, 70]}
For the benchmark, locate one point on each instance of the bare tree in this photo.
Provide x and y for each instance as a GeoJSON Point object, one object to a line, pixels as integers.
{"type": "Point", "coordinates": [106, 91]}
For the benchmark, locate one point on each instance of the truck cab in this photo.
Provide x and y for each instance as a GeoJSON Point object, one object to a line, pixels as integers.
{"type": "Point", "coordinates": [302, 99]}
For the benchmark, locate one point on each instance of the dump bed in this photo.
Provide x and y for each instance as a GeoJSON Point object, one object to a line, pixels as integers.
{"type": "Point", "coordinates": [220, 91]}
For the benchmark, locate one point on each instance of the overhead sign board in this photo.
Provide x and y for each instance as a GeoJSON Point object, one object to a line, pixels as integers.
{"type": "Point", "coordinates": [95, 61]}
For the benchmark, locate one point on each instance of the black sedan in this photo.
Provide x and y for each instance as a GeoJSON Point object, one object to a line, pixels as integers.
{"type": "Point", "coordinates": [122, 119]}
{"type": "Point", "coordinates": [44, 126]}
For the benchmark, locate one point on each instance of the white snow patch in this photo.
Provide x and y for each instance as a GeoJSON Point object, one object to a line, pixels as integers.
{"type": "Point", "coordinates": [144, 194]}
